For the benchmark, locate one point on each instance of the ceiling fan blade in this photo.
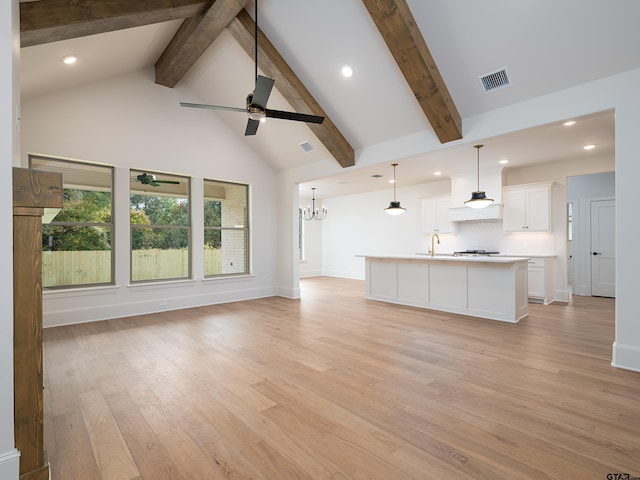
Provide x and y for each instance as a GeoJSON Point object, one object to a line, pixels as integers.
{"type": "Point", "coordinates": [212, 107]}
{"type": "Point", "coordinates": [252, 127]}
{"type": "Point", "coordinates": [299, 117]}
{"type": "Point", "coordinates": [171, 182]}
{"type": "Point", "coordinates": [262, 91]}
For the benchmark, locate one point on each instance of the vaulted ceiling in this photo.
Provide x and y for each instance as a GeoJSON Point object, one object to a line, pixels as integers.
{"type": "Point", "coordinates": [403, 92]}
{"type": "Point", "coordinates": [45, 21]}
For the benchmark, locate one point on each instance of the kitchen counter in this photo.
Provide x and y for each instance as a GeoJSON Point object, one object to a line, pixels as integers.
{"type": "Point", "coordinates": [491, 287]}
{"type": "Point", "coordinates": [453, 258]}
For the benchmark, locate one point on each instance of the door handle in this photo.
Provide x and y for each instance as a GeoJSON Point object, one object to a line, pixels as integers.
{"type": "Point", "coordinates": [597, 253]}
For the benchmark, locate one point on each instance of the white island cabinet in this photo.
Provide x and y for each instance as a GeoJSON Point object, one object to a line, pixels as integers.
{"type": "Point", "coordinates": [488, 287]}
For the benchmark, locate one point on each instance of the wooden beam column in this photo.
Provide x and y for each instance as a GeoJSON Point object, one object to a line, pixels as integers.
{"type": "Point", "coordinates": [406, 43]}
{"type": "Point", "coordinates": [33, 191]}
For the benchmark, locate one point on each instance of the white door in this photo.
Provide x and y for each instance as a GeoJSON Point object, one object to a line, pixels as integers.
{"type": "Point", "coordinates": [603, 254]}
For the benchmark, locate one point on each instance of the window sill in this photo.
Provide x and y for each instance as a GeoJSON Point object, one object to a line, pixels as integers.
{"type": "Point", "coordinates": [161, 284]}
{"type": "Point", "coordinates": [80, 291]}
{"type": "Point", "coordinates": [233, 278]}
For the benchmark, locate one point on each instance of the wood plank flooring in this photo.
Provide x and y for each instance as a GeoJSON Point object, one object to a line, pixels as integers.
{"type": "Point", "coordinates": [336, 387]}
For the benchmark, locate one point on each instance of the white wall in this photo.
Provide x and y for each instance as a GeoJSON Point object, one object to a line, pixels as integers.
{"type": "Point", "coordinates": [9, 155]}
{"type": "Point", "coordinates": [626, 348]}
{"type": "Point", "coordinates": [130, 122]}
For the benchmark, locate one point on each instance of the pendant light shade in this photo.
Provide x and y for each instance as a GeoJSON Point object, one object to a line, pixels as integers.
{"type": "Point", "coordinates": [394, 207]}
{"type": "Point", "coordinates": [478, 198]}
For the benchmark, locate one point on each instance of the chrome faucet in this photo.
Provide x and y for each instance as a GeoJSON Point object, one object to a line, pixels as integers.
{"type": "Point", "coordinates": [433, 247]}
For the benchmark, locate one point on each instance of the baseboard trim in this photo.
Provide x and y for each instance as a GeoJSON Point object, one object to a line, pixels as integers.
{"type": "Point", "coordinates": [626, 356]}
{"type": "Point", "coordinates": [180, 300]}
{"type": "Point", "coordinates": [10, 465]}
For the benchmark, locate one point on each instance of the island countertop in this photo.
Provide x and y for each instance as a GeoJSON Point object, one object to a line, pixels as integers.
{"type": "Point", "coordinates": [448, 258]}
{"type": "Point", "coordinates": [492, 287]}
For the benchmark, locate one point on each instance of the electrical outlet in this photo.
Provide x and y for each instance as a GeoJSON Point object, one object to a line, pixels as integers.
{"type": "Point", "coordinates": [162, 306]}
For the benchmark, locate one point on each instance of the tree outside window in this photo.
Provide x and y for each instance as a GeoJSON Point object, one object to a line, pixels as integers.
{"type": "Point", "coordinates": [160, 226]}
{"type": "Point", "coordinates": [226, 228]}
{"type": "Point", "coordinates": [77, 244]}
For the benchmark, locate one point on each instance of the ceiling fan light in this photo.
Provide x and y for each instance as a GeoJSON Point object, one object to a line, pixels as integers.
{"type": "Point", "coordinates": [478, 200]}
{"type": "Point", "coordinates": [394, 208]}
{"type": "Point", "coordinates": [255, 113]}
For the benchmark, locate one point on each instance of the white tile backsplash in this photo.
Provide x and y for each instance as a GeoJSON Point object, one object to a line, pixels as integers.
{"type": "Point", "coordinates": [488, 235]}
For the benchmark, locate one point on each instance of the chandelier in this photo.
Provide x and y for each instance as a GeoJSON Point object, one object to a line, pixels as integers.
{"type": "Point", "coordinates": [311, 212]}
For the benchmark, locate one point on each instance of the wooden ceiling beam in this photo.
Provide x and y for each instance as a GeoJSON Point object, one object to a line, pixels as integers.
{"type": "Point", "coordinates": [407, 45]}
{"type": "Point", "coordinates": [193, 37]}
{"type": "Point", "coordinates": [291, 87]}
{"type": "Point", "coordinates": [48, 21]}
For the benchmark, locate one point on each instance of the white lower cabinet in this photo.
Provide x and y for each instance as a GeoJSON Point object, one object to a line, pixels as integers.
{"type": "Point", "coordinates": [494, 289]}
{"type": "Point", "coordinates": [540, 279]}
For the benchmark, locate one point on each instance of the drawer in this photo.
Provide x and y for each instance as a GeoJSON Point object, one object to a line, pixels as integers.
{"type": "Point", "coordinates": [537, 262]}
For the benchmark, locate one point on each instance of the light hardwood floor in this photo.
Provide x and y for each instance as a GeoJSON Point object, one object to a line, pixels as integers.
{"type": "Point", "coordinates": [338, 387]}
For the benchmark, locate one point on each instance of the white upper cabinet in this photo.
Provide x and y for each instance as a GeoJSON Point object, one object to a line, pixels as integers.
{"type": "Point", "coordinates": [527, 208]}
{"type": "Point", "coordinates": [435, 215]}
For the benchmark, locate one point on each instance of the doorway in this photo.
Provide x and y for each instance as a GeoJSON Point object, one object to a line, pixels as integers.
{"type": "Point", "coordinates": [591, 222]}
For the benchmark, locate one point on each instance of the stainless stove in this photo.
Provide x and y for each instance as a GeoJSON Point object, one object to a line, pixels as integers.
{"type": "Point", "coordinates": [474, 253]}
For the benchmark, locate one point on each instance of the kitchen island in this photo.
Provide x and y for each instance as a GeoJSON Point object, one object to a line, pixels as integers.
{"type": "Point", "coordinates": [492, 287]}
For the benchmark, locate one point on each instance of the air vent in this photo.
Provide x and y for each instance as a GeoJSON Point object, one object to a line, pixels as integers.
{"type": "Point", "coordinates": [496, 80]}
{"type": "Point", "coordinates": [306, 147]}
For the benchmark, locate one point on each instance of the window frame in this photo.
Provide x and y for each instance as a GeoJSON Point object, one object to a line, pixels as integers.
{"type": "Point", "coordinates": [33, 158]}
{"type": "Point", "coordinates": [246, 228]}
{"type": "Point", "coordinates": [133, 172]}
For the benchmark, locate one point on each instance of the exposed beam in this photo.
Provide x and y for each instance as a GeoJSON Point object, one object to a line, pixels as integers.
{"type": "Point", "coordinates": [192, 38]}
{"type": "Point", "coordinates": [48, 21]}
{"type": "Point", "coordinates": [404, 39]}
{"type": "Point", "coordinates": [290, 86]}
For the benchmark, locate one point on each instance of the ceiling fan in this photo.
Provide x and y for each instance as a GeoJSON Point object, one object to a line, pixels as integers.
{"type": "Point", "coordinates": [257, 100]}
{"type": "Point", "coordinates": [149, 179]}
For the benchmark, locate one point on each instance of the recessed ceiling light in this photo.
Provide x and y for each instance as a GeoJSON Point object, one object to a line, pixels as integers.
{"type": "Point", "coordinates": [69, 59]}
{"type": "Point", "coordinates": [347, 71]}
{"type": "Point", "coordinates": [589, 147]}
{"type": "Point", "coordinates": [504, 162]}
{"type": "Point", "coordinates": [438, 173]}
{"type": "Point", "coordinates": [569, 123]}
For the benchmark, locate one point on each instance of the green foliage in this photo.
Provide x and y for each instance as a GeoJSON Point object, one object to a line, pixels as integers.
{"type": "Point", "coordinates": [212, 213]}
{"type": "Point", "coordinates": [80, 206]}
{"type": "Point", "coordinates": [158, 212]}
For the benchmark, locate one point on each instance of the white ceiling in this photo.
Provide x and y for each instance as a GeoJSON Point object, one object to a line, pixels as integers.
{"type": "Point", "coordinates": [546, 45]}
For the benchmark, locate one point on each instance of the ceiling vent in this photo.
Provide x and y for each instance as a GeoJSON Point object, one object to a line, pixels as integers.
{"type": "Point", "coordinates": [306, 147]}
{"type": "Point", "coordinates": [496, 80]}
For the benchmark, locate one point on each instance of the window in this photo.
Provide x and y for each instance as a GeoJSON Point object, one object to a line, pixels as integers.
{"type": "Point", "coordinates": [226, 228]}
{"type": "Point", "coordinates": [77, 244]}
{"type": "Point", "coordinates": [160, 226]}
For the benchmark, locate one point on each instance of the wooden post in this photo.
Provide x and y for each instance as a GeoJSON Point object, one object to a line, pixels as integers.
{"type": "Point", "coordinates": [33, 191]}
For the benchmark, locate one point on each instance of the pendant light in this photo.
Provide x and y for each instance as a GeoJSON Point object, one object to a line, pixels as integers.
{"type": "Point", "coordinates": [311, 212]}
{"type": "Point", "coordinates": [394, 207]}
{"type": "Point", "coordinates": [478, 198]}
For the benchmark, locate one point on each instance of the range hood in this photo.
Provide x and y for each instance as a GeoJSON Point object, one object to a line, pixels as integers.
{"type": "Point", "coordinates": [461, 187]}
